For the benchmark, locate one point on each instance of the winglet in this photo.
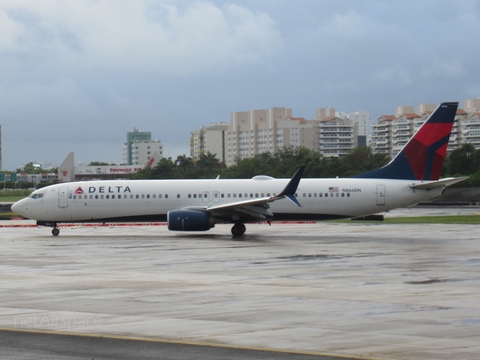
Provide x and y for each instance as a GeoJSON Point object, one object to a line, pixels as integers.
{"type": "Point", "coordinates": [291, 188]}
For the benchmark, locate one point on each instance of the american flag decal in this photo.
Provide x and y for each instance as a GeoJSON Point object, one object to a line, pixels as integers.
{"type": "Point", "coordinates": [333, 189]}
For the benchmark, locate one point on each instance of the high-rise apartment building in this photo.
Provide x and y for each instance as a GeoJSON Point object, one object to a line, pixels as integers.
{"type": "Point", "coordinates": [269, 130]}
{"type": "Point", "coordinates": [391, 133]}
{"type": "Point", "coordinates": [209, 139]}
{"type": "Point", "coordinates": [139, 149]}
{"type": "Point", "coordinates": [134, 136]}
{"type": "Point", "coordinates": [472, 105]}
{"type": "Point", "coordinates": [256, 131]}
{"type": "Point", "coordinates": [337, 137]}
{"type": "Point", "coordinates": [471, 129]}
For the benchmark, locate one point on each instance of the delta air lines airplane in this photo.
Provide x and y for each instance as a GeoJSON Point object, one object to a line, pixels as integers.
{"type": "Point", "coordinates": [197, 205]}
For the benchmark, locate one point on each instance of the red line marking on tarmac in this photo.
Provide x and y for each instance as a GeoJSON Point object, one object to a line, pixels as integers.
{"type": "Point", "coordinates": [127, 224]}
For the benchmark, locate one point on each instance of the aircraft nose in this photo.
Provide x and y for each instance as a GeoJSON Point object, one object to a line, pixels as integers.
{"type": "Point", "coordinates": [19, 208]}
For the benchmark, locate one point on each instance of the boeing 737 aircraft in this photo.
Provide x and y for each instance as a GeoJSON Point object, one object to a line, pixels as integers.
{"type": "Point", "coordinates": [197, 205]}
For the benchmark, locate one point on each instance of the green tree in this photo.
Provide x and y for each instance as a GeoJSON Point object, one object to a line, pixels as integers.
{"type": "Point", "coordinates": [99, 163]}
{"type": "Point", "coordinates": [208, 165]}
{"type": "Point", "coordinates": [30, 168]}
{"type": "Point", "coordinates": [362, 159]}
{"type": "Point", "coordinates": [185, 167]}
{"type": "Point", "coordinates": [462, 161]}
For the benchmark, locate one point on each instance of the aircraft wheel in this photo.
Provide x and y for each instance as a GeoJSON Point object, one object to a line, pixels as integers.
{"type": "Point", "coordinates": [55, 231]}
{"type": "Point", "coordinates": [238, 229]}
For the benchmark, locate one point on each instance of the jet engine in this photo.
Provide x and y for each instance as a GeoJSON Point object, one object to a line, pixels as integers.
{"type": "Point", "coordinates": [189, 220]}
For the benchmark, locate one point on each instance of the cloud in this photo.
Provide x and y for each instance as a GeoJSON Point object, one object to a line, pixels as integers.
{"type": "Point", "coordinates": [151, 36]}
{"type": "Point", "coordinates": [444, 69]}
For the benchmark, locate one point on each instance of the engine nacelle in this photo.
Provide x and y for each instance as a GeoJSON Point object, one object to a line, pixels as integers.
{"type": "Point", "coordinates": [189, 220]}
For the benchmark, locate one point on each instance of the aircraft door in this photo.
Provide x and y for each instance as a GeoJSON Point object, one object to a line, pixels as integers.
{"type": "Point", "coordinates": [205, 197]}
{"type": "Point", "coordinates": [63, 197]}
{"type": "Point", "coordinates": [216, 196]}
{"type": "Point", "coordinates": [380, 195]}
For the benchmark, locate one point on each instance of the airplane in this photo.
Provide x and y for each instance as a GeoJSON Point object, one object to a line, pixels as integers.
{"type": "Point", "coordinates": [197, 205]}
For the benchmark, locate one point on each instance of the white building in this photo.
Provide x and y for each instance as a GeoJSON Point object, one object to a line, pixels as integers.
{"type": "Point", "coordinates": [209, 139]}
{"type": "Point", "coordinates": [142, 151]}
{"type": "Point", "coordinates": [382, 135]}
{"type": "Point", "coordinates": [472, 105]}
{"type": "Point", "coordinates": [337, 137]}
{"type": "Point", "coordinates": [391, 133]}
{"type": "Point", "coordinates": [471, 129]}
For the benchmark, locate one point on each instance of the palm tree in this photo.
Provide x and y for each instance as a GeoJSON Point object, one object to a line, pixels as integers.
{"type": "Point", "coordinates": [208, 164]}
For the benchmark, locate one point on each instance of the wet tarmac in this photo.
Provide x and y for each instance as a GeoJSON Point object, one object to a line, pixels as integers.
{"type": "Point", "coordinates": [371, 290]}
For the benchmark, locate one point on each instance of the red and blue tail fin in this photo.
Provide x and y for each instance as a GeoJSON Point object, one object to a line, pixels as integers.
{"type": "Point", "coordinates": [422, 157]}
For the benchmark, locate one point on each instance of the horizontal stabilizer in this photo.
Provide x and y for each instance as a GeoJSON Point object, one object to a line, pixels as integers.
{"type": "Point", "coordinates": [438, 184]}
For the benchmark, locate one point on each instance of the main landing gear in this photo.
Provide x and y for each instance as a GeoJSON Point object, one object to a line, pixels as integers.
{"type": "Point", "coordinates": [55, 230]}
{"type": "Point", "coordinates": [238, 229]}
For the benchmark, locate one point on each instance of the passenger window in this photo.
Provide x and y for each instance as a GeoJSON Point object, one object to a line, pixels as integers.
{"type": "Point", "coordinates": [101, 196]}
{"type": "Point", "coordinates": [131, 196]}
{"type": "Point", "coordinates": [143, 196]}
{"type": "Point", "coordinates": [205, 195]}
{"type": "Point", "coordinates": [194, 196]}
{"type": "Point", "coordinates": [309, 194]}
{"type": "Point", "coordinates": [304, 195]}
{"type": "Point", "coordinates": [314, 194]}
{"type": "Point", "coordinates": [215, 195]}
{"type": "Point", "coordinates": [74, 197]}
{"type": "Point", "coordinates": [348, 194]}
{"type": "Point", "coordinates": [178, 196]}
{"type": "Point", "coordinates": [159, 196]}
{"type": "Point", "coordinates": [96, 196]}
{"type": "Point", "coordinates": [239, 195]}
{"type": "Point", "coordinates": [228, 195]}
{"type": "Point", "coordinates": [154, 196]}
{"type": "Point", "coordinates": [189, 196]}
{"type": "Point", "coordinates": [320, 195]}
{"type": "Point", "coordinates": [337, 194]}
{"type": "Point", "coordinates": [222, 196]}
{"type": "Point", "coordinates": [91, 197]}
{"type": "Point", "coordinates": [125, 196]}
{"type": "Point", "coordinates": [137, 196]}
{"type": "Point", "coordinates": [107, 196]}
{"type": "Point", "coordinates": [166, 196]}
{"type": "Point", "coordinates": [251, 195]}
{"type": "Point", "coordinates": [331, 194]}
{"type": "Point", "coordinates": [234, 195]}
{"type": "Point", "coordinates": [343, 194]}
{"type": "Point", "coordinates": [148, 196]}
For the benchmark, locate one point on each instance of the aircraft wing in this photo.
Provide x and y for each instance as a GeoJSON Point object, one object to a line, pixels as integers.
{"type": "Point", "coordinates": [439, 183]}
{"type": "Point", "coordinates": [258, 208]}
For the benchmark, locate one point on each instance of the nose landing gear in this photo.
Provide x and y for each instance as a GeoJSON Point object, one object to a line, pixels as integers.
{"type": "Point", "coordinates": [55, 230]}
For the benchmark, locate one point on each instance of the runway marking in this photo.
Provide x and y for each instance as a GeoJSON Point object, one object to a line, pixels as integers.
{"type": "Point", "coordinates": [188, 342]}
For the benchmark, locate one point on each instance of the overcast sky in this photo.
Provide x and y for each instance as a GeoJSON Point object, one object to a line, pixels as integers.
{"type": "Point", "coordinates": [77, 75]}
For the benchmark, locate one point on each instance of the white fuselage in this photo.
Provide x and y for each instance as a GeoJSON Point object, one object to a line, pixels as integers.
{"type": "Point", "coordinates": [137, 200]}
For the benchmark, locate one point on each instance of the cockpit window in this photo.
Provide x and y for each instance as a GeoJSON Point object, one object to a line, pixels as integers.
{"type": "Point", "coordinates": [36, 196]}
